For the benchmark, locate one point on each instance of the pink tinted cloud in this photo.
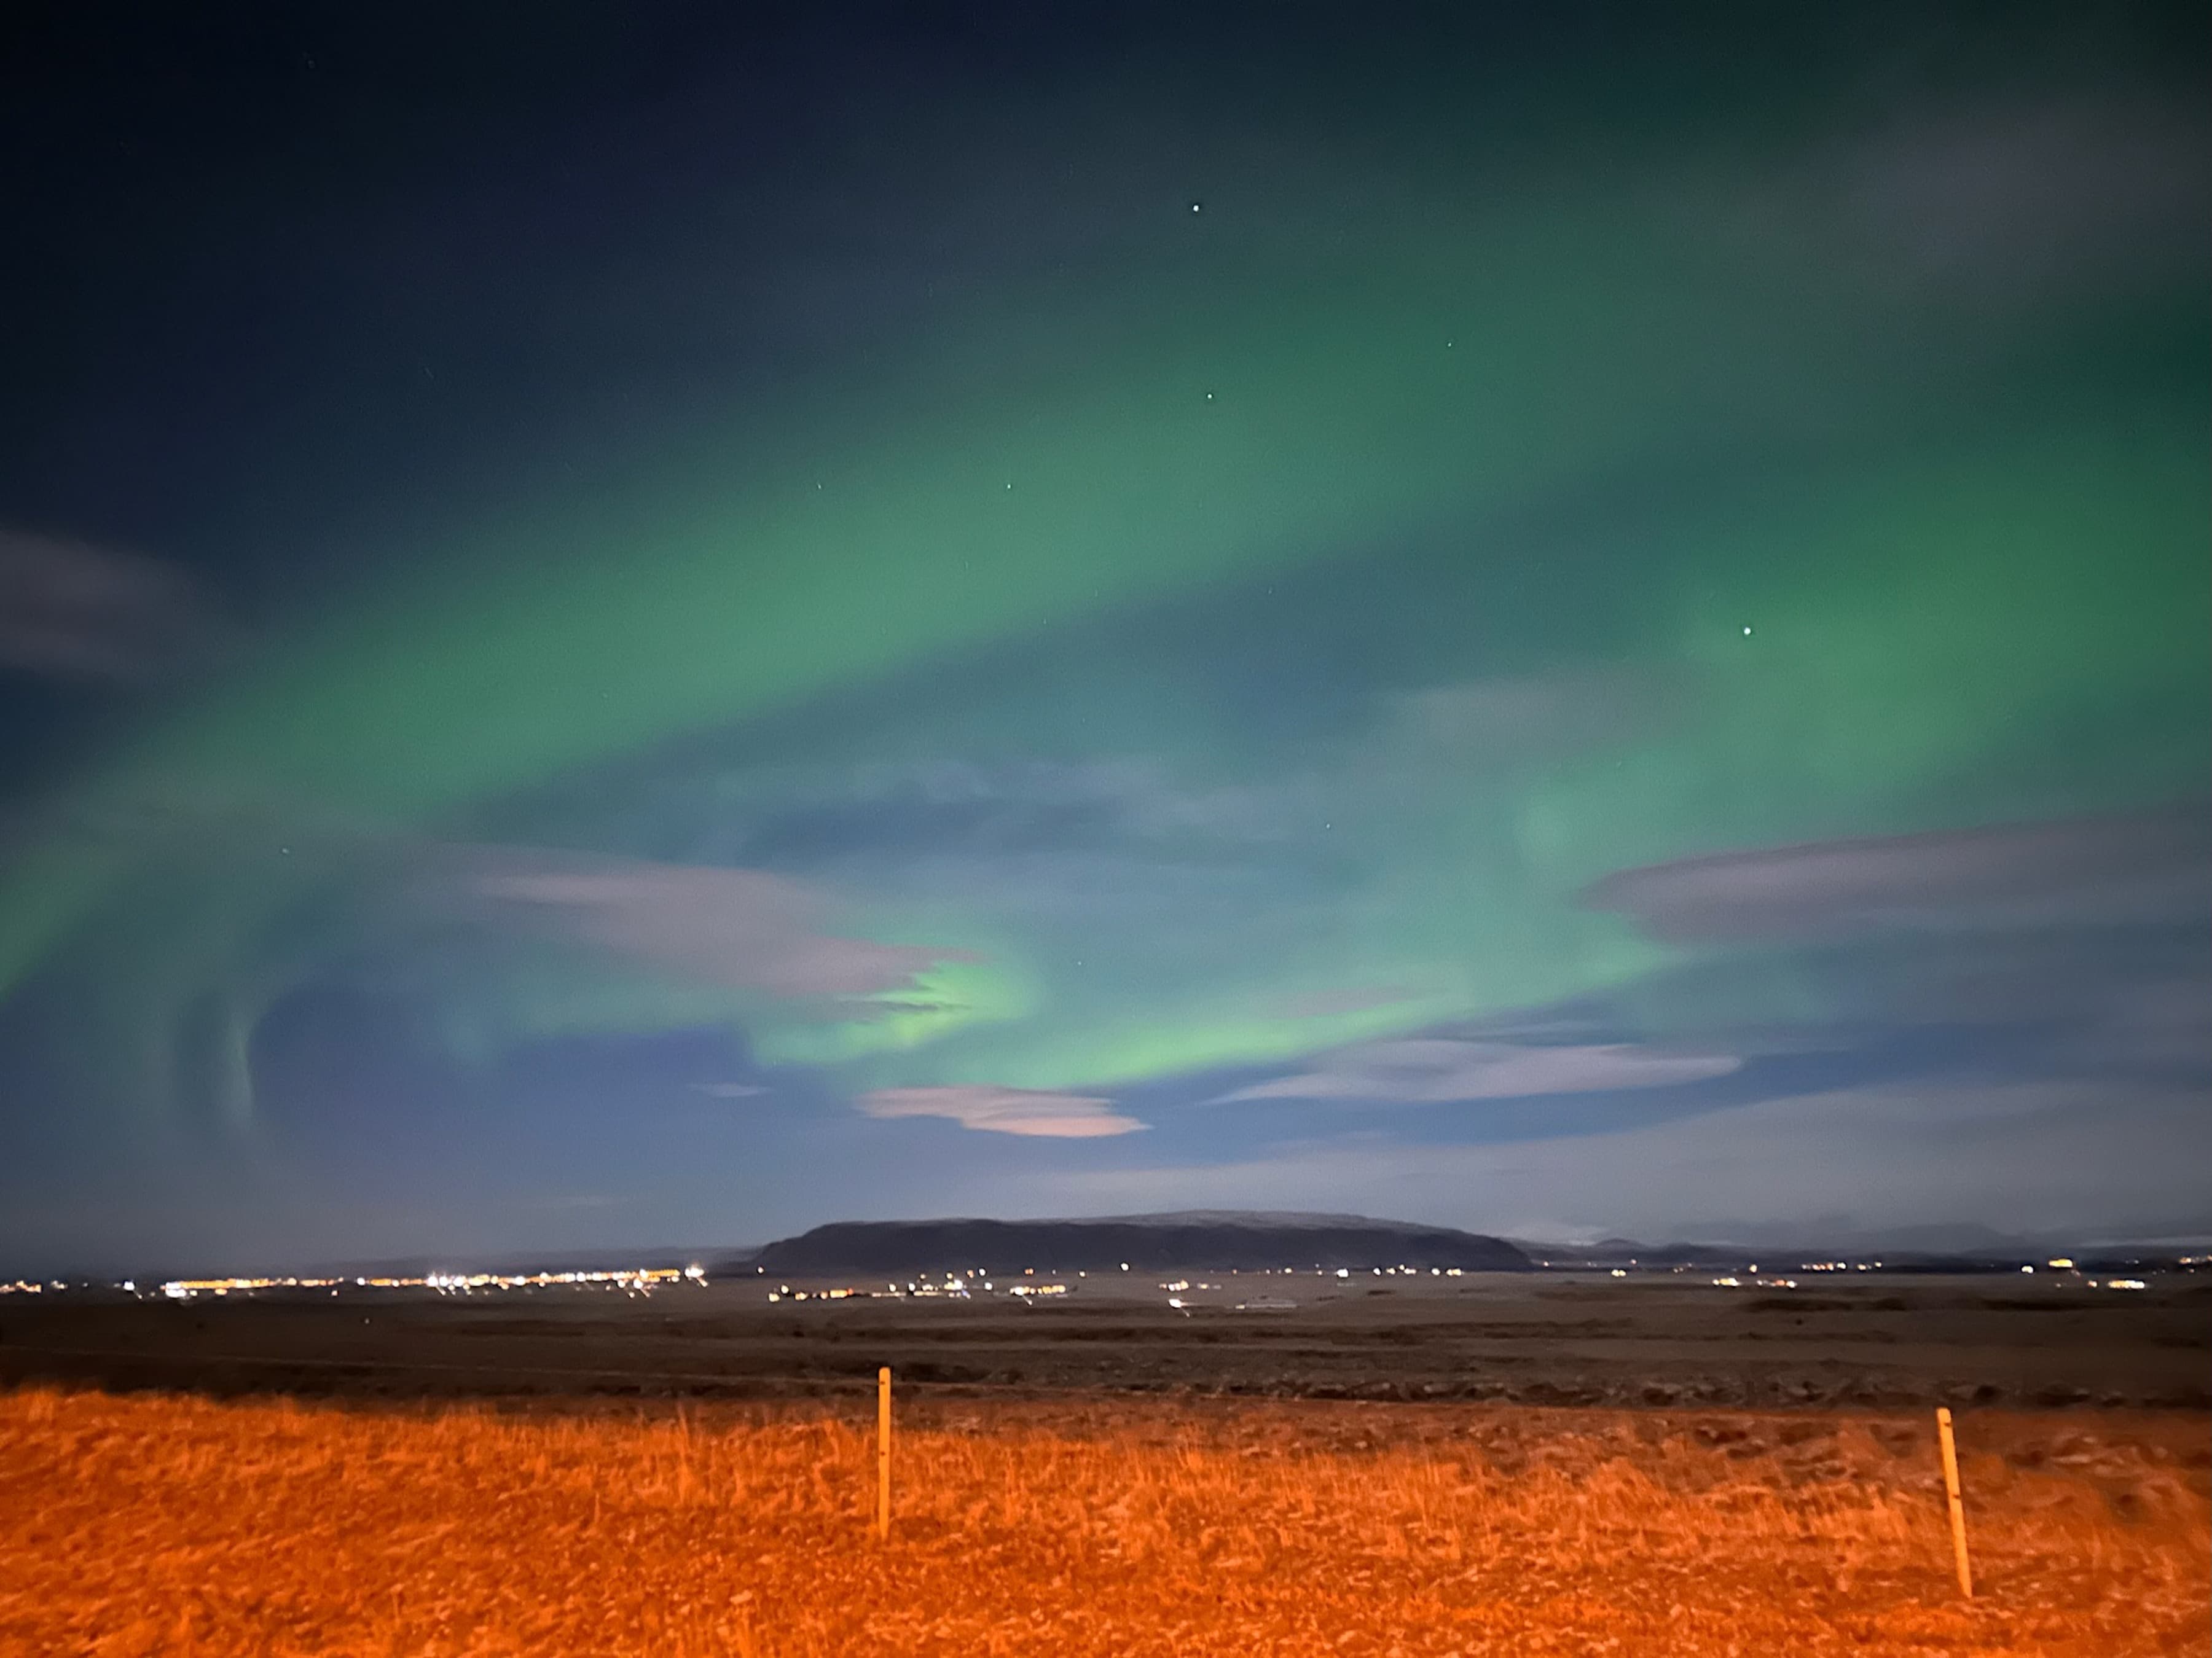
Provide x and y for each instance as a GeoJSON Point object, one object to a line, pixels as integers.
{"type": "Point", "coordinates": [1005, 1110]}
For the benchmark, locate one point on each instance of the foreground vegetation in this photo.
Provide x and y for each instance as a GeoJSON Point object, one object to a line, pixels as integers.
{"type": "Point", "coordinates": [154, 1524]}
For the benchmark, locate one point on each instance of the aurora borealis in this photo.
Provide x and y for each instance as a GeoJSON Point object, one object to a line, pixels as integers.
{"type": "Point", "coordinates": [1555, 627]}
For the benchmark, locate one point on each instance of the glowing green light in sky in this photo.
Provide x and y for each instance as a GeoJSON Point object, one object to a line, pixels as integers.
{"type": "Point", "coordinates": [1812, 608]}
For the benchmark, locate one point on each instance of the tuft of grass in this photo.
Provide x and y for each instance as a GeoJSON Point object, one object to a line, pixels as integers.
{"type": "Point", "coordinates": [131, 1527]}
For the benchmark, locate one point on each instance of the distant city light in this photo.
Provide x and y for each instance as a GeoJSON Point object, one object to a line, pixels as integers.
{"type": "Point", "coordinates": [630, 1279]}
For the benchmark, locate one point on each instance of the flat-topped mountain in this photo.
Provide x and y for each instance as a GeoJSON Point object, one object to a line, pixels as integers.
{"type": "Point", "coordinates": [1211, 1238]}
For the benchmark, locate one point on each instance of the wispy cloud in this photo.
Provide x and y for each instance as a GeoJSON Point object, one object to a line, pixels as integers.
{"type": "Point", "coordinates": [2152, 867]}
{"type": "Point", "coordinates": [2025, 1157]}
{"type": "Point", "coordinates": [2010, 199]}
{"type": "Point", "coordinates": [1005, 1110]}
{"type": "Point", "coordinates": [1568, 708]}
{"type": "Point", "coordinates": [738, 927]}
{"type": "Point", "coordinates": [76, 612]}
{"type": "Point", "coordinates": [1436, 1071]}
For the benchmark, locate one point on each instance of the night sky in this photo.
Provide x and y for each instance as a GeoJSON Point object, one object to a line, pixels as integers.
{"type": "Point", "coordinates": [632, 625]}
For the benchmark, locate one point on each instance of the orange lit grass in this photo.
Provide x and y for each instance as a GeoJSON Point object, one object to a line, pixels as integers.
{"type": "Point", "coordinates": [148, 1525]}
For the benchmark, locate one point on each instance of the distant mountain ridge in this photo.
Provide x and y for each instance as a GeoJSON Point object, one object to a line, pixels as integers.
{"type": "Point", "coordinates": [1237, 1240]}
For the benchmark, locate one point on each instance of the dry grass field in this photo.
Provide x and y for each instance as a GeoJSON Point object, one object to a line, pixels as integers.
{"type": "Point", "coordinates": [161, 1524]}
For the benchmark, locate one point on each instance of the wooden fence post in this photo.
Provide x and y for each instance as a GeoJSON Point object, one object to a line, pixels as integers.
{"type": "Point", "coordinates": [1958, 1507]}
{"type": "Point", "coordinates": [884, 1454]}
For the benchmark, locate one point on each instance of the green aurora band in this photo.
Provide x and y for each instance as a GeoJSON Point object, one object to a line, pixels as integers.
{"type": "Point", "coordinates": [1866, 562]}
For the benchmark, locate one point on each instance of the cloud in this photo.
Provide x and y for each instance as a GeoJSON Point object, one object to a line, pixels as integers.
{"type": "Point", "coordinates": [741, 928]}
{"type": "Point", "coordinates": [1005, 1110]}
{"type": "Point", "coordinates": [1433, 1071]}
{"type": "Point", "coordinates": [2028, 1157]}
{"type": "Point", "coordinates": [2011, 198]}
{"type": "Point", "coordinates": [2156, 867]}
{"type": "Point", "coordinates": [729, 1090]}
{"type": "Point", "coordinates": [75, 612]}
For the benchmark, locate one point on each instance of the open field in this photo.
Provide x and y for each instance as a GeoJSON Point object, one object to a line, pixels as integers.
{"type": "Point", "coordinates": [1862, 1342]}
{"type": "Point", "coordinates": [1510, 1465]}
{"type": "Point", "coordinates": [157, 1524]}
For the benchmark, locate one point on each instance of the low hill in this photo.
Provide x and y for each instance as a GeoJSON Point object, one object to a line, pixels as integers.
{"type": "Point", "coordinates": [1215, 1239]}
